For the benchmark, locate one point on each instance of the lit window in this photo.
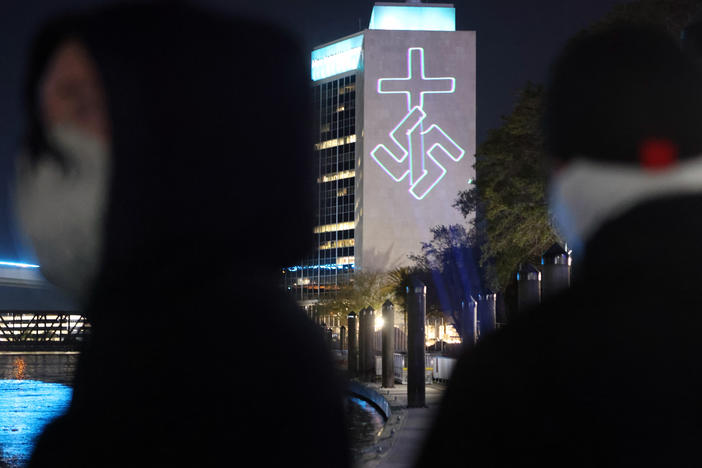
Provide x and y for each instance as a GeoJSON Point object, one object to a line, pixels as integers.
{"type": "Point", "coordinates": [337, 244]}
{"type": "Point", "coordinates": [336, 176]}
{"type": "Point", "coordinates": [334, 142]}
{"type": "Point", "coordinates": [334, 227]}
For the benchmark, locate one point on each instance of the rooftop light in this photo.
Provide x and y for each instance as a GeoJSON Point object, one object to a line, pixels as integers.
{"type": "Point", "coordinates": [413, 17]}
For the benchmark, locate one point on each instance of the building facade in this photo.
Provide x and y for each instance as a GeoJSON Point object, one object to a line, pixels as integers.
{"type": "Point", "coordinates": [395, 124]}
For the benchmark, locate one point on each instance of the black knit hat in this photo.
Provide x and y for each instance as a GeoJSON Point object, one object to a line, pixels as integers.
{"type": "Point", "coordinates": [210, 134]}
{"type": "Point", "coordinates": [691, 38]}
{"type": "Point", "coordinates": [612, 93]}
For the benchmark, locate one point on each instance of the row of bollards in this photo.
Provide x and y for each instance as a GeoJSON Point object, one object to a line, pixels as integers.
{"type": "Point", "coordinates": [479, 318]}
{"type": "Point", "coordinates": [361, 352]}
{"type": "Point", "coordinates": [361, 355]}
{"type": "Point", "coordinates": [534, 286]}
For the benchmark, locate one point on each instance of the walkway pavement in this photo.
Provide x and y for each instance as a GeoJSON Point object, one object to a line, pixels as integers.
{"type": "Point", "coordinates": [403, 435]}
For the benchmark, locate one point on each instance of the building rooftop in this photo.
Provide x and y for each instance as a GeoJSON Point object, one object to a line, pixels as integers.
{"type": "Point", "coordinates": [413, 16]}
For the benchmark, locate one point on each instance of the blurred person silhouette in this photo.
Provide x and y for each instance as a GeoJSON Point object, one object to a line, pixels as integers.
{"type": "Point", "coordinates": [691, 38]}
{"type": "Point", "coordinates": [164, 179]}
{"type": "Point", "coordinates": [608, 373]}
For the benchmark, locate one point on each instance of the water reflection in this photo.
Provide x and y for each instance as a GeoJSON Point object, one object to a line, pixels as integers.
{"type": "Point", "coordinates": [34, 390]}
{"type": "Point", "coordinates": [57, 367]}
{"type": "Point", "coordinates": [26, 406]}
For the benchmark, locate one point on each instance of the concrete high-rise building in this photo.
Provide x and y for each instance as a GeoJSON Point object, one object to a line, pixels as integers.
{"type": "Point", "coordinates": [395, 124]}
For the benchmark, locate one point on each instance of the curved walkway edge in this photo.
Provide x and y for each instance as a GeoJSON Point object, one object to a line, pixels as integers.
{"type": "Point", "coordinates": [405, 430]}
{"type": "Point", "coordinates": [368, 394]}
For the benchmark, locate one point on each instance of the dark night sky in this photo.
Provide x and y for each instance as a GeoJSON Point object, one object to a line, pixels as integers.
{"type": "Point", "coordinates": [517, 40]}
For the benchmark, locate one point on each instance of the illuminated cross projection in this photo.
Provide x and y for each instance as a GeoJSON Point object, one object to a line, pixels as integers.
{"type": "Point", "coordinates": [412, 150]}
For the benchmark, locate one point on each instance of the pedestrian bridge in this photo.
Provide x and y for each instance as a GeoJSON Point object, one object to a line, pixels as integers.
{"type": "Point", "coordinates": [34, 315]}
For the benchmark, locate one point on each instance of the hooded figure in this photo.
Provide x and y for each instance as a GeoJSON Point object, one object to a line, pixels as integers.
{"type": "Point", "coordinates": [164, 191]}
{"type": "Point", "coordinates": [608, 372]}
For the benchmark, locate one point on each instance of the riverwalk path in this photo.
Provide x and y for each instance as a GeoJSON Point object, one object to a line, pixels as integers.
{"type": "Point", "coordinates": [398, 443]}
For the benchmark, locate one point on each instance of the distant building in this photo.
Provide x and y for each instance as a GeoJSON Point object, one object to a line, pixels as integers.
{"type": "Point", "coordinates": [395, 124]}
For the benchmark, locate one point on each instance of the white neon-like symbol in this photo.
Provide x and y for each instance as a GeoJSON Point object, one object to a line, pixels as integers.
{"type": "Point", "coordinates": [408, 124]}
{"type": "Point", "coordinates": [427, 167]}
{"type": "Point", "coordinates": [416, 72]}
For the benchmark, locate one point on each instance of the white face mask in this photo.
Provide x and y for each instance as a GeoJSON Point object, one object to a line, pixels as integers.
{"type": "Point", "coordinates": [586, 194]}
{"type": "Point", "coordinates": [562, 215]}
{"type": "Point", "coordinates": [62, 211]}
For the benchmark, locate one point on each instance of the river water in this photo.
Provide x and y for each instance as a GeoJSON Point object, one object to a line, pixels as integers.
{"type": "Point", "coordinates": [36, 387]}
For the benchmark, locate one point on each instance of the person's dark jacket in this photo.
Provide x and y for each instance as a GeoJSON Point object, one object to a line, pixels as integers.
{"type": "Point", "coordinates": [607, 374]}
{"type": "Point", "coordinates": [196, 358]}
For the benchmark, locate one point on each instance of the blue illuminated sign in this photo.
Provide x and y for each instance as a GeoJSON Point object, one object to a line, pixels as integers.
{"type": "Point", "coordinates": [18, 265]}
{"type": "Point", "coordinates": [413, 18]}
{"type": "Point", "coordinates": [328, 266]}
{"type": "Point", "coordinates": [336, 58]}
{"type": "Point", "coordinates": [412, 150]}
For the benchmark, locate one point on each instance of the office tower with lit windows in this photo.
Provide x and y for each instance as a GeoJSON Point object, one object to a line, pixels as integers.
{"type": "Point", "coordinates": [394, 115]}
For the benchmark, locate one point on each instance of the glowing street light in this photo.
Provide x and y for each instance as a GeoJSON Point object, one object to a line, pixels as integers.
{"type": "Point", "coordinates": [379, 322]}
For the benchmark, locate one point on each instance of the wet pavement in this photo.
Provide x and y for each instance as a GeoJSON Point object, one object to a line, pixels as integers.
{"type": "Point", "coordinates": [403, 435]}
{"type": "Point", "coordinates": [365, 424]}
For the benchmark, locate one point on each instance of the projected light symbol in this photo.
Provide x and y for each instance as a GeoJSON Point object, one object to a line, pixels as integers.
{"type": "Point", "coordinates": [414, 151]}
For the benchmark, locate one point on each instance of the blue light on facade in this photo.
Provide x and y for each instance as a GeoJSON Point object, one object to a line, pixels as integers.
{"type": "Point", "coordinates": [18, 265]}
{"type": "Point", "coordinates": [336, 58]}
{"type": "Point", "coordinates": [413, 18]}
{"type": "Point", "coordinates": [328, 266]}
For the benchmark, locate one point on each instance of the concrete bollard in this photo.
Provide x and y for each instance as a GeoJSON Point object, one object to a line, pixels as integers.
{"type": "Point", "coordinates": [416, 317]}
{"type": "Point", "coordinates": [370, 345]}
{"type": "Point", "coordinates": [353, 345]}
{"type": "Point", "coordinates": [469, 318]}
{"type": "Point", "coordinates": [556, 271]}
{"type": "Point", "coordinates": [528, 287]}
{"type": "Point", "coordinates": [363, 338]}
{"type": "Point", "coordinates": [342, 338]}
{"type": "Point", "coordinates": [487, 313]}
{"type": "Point", "coordinates": [388, 344]}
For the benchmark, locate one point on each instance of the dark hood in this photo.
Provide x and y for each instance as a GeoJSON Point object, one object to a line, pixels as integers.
{"type": "Point", "coordinates": [211, 141]}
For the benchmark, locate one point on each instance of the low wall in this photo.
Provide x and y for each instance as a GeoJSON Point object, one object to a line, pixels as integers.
{"type": "Point", "coordinates": [373, 397]}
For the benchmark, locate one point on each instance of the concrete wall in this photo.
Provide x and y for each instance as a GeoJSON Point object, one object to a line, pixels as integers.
{"type": "Point", "coordinates": [393, 220]}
